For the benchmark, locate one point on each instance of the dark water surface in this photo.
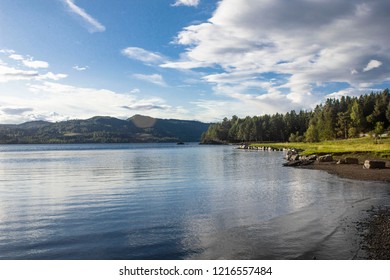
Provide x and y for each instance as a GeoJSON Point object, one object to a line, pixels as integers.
{"type": "Point", "coordinates": [168, 201]}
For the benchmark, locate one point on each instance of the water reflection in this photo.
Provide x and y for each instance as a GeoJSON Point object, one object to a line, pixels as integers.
{"type": "Point", "coordinates": [166, 202]}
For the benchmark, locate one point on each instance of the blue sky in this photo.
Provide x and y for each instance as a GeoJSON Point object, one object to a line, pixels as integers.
{"type": "Point", "coordinates": [187, 59]}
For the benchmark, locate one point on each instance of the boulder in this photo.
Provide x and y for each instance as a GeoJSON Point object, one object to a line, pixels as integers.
{"type": "Point", "coordinates": [374, 164]}
{"type": "Point", "coordinates": [312, 157]}
{"type": "Point", "coordinates": [325, 158]}
{"type": "Point", "coordinates": [348, 161]}
{"type": "Point", "coordinates": [341, 161]}
{"type": "Point", "coordinates": [294, 157]}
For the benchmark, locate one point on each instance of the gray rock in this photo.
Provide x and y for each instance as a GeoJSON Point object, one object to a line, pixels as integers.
{"type": "Point", "coordinates": [374, 164]}
{"type": "Point", "coordinates": [312, 157]}
{"type": "Point", "coordinates": [294, 157]}
{"type": "Point", "coordinates": [325, 158]}
{"type": "Point", "coordinates": [348, 161]}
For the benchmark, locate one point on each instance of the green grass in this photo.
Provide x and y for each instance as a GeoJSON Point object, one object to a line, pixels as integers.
{"type": "Point", "coordinates": [364, 145]}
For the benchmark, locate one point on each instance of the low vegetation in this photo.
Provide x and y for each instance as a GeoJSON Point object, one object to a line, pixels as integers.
{"type": "Point", "coordinates": [364, 146]}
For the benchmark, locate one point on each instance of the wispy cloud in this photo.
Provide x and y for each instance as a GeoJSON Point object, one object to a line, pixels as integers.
{"type": "Point", "coordinates": [135, 91]}
{"type": "Point", "coordinates": [17, 72]}
{"type": "Point", "coordinates": [29, 61]}
{"type": "Point", "coordinates": [11, 74]}
{"type": "Point", "coordinates": [143, 55]}
{"type": "Point", "coordinates": [146, 106]}
{"type": "Point", "coordinates": [80, 68]}
{"type": "Point", "coordinates": [156, 79]}
{"type": "Point", "coordinates": [191, 3]}
{"type": "Point", "coordinates": [93, 24]}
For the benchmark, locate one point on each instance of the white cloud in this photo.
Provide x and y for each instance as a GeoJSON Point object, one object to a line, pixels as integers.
{"type": "Point", "coordinates": [16, 57]}
{"type": "Point", "coordinates": [135, 91]}
{"type": "Point", "coordinates": [192, 3]}
{"type": "Point", "coordinates": [51, 76]}
{"type": "Point", "coordinates": [12, 74]}
{"type": "Point", "coordinates": [302, 43]}
{"type": "Point", "coordinates": [54, 101]}
{"type": "Point", "coordinates": [156, 79]}
{"type": "Point", "coordinates": [29, 62]}
{"type": "Point", "coordinates": [80, 68]}
{"type": "Point", "coordinates": [35, 64]}
{"type": "Point", "coordinates": [16, 71]}
{"type": "Point", "coordinates": [93, 24]}
{"type": "Point", "coordinates": [7, 51]}
{"type": "Point", "coordinates": [79, 102]}
{"type": "Point", "coordinates": [8, 73]}
{"type": "Point", "coordinates": [142, 55]}
{"type": "Point", "coordinates": [372, 65]}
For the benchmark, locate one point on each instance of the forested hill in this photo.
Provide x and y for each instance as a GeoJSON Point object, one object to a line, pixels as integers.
{"type": "Point", "coordinates": [337, 118]}
{"type": "Point", "coordinates": [103, 130]}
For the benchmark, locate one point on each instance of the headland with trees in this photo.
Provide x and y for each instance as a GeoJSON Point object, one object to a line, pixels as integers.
{"type": "Point", "coordinates": [343, 118]}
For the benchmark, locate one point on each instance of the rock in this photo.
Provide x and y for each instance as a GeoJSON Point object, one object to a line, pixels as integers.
{"type": "Point", "coordinates": [290, 153]}
{"type": "Point", "coordinates": [325, 158]}
{"type": "Point", "coordinates": [374, 164]}
{"type": "Point", "coordinates": [348, 161]}
{"type": "Point", "coordinates": [294, 157]}
{"type": "Point", "coordinates": [312, 157]}
{"type": "Point", "coordinates": [292, 163]}
{"type": "Point", "coordinates": [307, 162]}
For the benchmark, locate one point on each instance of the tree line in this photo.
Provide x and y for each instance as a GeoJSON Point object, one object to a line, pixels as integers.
{"type": "Point", "coordinates": [345, 117]}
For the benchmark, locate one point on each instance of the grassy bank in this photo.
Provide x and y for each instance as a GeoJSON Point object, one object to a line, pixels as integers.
{"type": "Point", "coordinates": [364, 145]}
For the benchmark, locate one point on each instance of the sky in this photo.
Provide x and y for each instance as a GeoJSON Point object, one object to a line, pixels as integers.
{"type": "Point", "coordinates": [187, 59]}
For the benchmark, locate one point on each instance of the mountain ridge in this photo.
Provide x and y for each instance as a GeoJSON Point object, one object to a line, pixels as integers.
{"type": "Point", "coordinates": [103, 129]}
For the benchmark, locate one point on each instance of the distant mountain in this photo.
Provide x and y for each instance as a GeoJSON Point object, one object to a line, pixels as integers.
{"type": "Point", "coordinates": [137, 129]}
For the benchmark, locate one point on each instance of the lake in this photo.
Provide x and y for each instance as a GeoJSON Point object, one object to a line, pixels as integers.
{"type": "Point", "coordinates": [168, 201]}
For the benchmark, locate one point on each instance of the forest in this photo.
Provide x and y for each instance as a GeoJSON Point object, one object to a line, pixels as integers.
{"type": "Point", "coordinates": [346, 117]}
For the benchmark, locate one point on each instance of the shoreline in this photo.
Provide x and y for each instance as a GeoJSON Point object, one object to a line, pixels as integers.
{"type": "Point", "coordinates": [352, 171]}
{"type": "Point", "coordinates": [374, 230]}
{"type": "Point", "coordinates": [375, 233]}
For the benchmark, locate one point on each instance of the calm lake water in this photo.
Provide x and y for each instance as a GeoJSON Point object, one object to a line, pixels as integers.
{"type": "Point", "coordinates": [168, 201]}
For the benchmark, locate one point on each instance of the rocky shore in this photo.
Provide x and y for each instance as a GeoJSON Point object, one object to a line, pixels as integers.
{"type": "Point", "coordinates": [362, 167]}
{"type": "Point", "coordinates": [375, 232]}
